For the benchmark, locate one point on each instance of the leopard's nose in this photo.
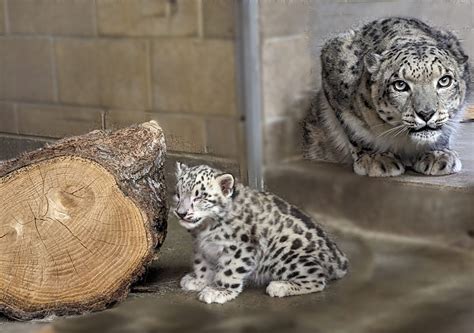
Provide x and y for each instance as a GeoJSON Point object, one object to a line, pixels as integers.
{"type": "Point", "coordinates": [179, 214]}
{"type": "Point", "coordinates": [426, 114]}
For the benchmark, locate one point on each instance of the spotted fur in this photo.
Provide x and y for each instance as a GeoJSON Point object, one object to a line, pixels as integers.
{"type": "Point", "coordinates": [392, 92]}
{"type": "Point", "coordinates": [243, 236]}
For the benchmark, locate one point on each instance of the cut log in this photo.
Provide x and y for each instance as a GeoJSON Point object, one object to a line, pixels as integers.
{"type": "Point", "coordinates": [80, 220]}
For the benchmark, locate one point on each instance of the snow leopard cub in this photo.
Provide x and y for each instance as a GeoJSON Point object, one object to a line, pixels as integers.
{"type": "Point", "coordinates": [243, 236]}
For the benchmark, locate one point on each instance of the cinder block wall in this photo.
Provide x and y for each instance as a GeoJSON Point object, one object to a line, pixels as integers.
{"type": "Point", "coordinates": [286, 75]}
{"type": "Point", "coordinates": [293, 32]}
{"type": "Point", "coordinates": [71, 66]}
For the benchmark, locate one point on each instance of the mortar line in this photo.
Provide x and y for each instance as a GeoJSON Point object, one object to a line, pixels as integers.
{"type": "Point", "coordinates": [54, 70]}
{"type": "Point", "coordinates": [149, 73]}
{"type": "Point", "coordinates": [95, 19]}
{"type": "Point", "coordinates": [6, 17]}
{"type": "Point", "coordinates": [200, 20]}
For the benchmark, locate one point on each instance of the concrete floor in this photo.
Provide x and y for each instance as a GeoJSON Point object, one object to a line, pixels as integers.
{"type": "Point", "coordinates": [393, 286]}
{"type": "Point", "coordinates": [399, 281]}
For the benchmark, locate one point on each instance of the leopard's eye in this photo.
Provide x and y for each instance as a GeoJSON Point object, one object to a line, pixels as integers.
{"type": "Point", "coordinates": [445, 81]}
{"type": "Point", "coordinates": [401, 85]}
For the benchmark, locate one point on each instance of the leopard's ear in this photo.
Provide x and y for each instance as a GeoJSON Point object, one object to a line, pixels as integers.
{"type": "Point", "coordinates": [180, 168]}
{"type": "Point", "coordinates": [451, 42]}
{"type": "Point", "coordinates": [226, 183]}
{"type": "Point", "coordinates": [372, 62]}
{"type": "Point", "coordinates": [463, 58]}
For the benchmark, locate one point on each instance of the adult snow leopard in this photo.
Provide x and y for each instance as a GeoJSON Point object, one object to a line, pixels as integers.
{"type": "Point", "coordinates": [241, 235]}
{"type": "Point", "coordinates": [392, 92]}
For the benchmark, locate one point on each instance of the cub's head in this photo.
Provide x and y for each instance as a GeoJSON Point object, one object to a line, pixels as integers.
{"type": "Point", "coordinates": [419, 88]}
{"type": "Point", "coordinates": [201, 192]}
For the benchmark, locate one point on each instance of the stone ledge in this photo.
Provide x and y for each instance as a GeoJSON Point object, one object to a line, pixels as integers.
{"type": "Point", "coordinates": [435, 208]}
{"type": "Point", "coordinates": [443, 213]}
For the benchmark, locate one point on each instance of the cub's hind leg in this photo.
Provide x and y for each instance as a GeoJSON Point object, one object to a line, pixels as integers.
{"type": "Point", "coordinates": [308, 280]}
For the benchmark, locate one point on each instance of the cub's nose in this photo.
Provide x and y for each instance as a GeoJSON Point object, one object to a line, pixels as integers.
{"type": "Point", "coordinates": [180, 215]}
{"type": "Point", "coordinates": [426, 114]}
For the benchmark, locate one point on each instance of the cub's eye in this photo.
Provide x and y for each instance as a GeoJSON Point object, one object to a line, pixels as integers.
{"type": "Point", "coordinates": [401, 86]}
{"type": "Point", "coordinates": [445, 81]}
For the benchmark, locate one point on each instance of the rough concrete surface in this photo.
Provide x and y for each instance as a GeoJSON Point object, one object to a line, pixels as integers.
{"type": "Point", "coordinates": [393, 286]}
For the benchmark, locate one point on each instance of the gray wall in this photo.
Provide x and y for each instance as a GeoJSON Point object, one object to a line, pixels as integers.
{"type": "Point", "coordinates": [327, 18]}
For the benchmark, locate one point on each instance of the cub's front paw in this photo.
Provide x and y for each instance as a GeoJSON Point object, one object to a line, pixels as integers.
{"type": "Point", "coordinates": [191, 283]}
{"type": "Point", "coordinates": [438, 162]}
{"type": "Point", "coordinates": [212, 295]}
{"type": "Point", "coordinates": [278, 289]}
{"type": "Point", "coordinates": [378, 165]}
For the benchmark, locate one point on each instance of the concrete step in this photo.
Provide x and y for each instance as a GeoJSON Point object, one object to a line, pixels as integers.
{"type": "Point", "coordinates": [439, 209]}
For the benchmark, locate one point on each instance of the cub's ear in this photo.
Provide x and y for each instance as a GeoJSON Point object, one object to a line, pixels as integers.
{"type": "Point", "coordinates": [226, 183]}
{"type": "Point", "coordinates": [180, 168]}
{"type": "Point", "coordinates": [372, 62]}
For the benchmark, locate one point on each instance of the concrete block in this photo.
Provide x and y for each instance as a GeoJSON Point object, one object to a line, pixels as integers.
{"type": "Point", "coordinates": [26, 69]}
{"type": "Point", "coordinates": [191, 75]}
{"type": "Point", "coordinates": [147, 17]}
{"type": "Point", "coordinates": [52, 17]}
{"type": "Point", "coordinates": [103, 72]}
{"type": "Point", "coordinates": [57, 121]}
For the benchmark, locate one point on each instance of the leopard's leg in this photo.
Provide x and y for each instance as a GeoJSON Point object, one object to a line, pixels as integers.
{"type": "Point", "coordinates": [301, 280]}
{"type": "Point", "coordinates": [201, 276]}
{"type": "Point", "coordinates": [229, 279]}
{"type": "Point", "coordinates": [438, 162]}
{"type": "Point", "coordinates": [378, 164]}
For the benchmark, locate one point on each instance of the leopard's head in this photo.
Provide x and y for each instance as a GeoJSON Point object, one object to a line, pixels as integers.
{"type": "Point", "coordinates": [201, 192]}
{"type": "Point", "coordinates": [419, 88]}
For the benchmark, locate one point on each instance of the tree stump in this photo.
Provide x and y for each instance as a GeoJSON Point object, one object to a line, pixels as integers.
{"type": "Point", "coordinates": [80, 220]}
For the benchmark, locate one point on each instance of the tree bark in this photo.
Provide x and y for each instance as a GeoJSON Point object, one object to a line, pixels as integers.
{"type": "Point", "coordinates": [80, 220]}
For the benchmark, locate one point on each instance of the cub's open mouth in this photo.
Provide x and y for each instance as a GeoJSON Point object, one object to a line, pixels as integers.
{"type": "Point", "coordinates": [190, 224]}
{"type": "Point", "coordinates": [185, 220]}
{"type": "Point", "coordinates": [191, 221]}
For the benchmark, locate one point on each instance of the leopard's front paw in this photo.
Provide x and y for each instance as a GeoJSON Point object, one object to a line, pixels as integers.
{"type": "Point", "coordinates": [191, 283]}
{"type": "Point", "coordinates": [438, 162]}
{"type": "Point", "coordinates": [378, 165]}
{"type": "Point", "coordinates": [212, 295]}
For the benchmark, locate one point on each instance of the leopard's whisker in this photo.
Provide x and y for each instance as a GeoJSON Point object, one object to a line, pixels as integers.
{"type": "Point", "coordinates": [390, 131]}
{"type": "Point", "coordinates": [401, 131]}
